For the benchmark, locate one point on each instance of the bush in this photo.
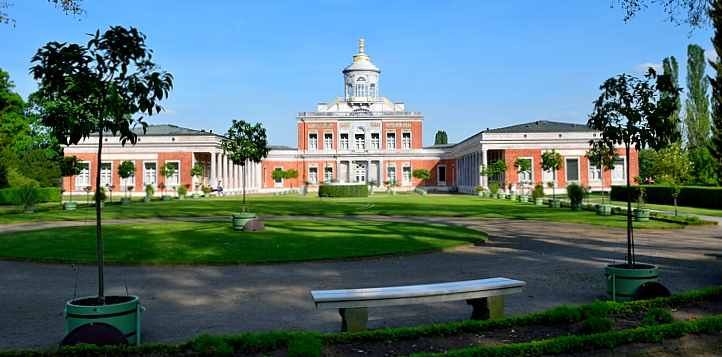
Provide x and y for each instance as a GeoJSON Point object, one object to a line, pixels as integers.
{"type": "Point", "coordinates": [343, 191]}
{"type": "Point", "coordinates": [182, 191]}
{"type": "Point", "coordinates": [101, 194]}
{"type": "Point", "coordinates": [656, 316]}
{"type": "Point", "coordinates": [206, 190]}
{"type": "Point", "coordinates": [576, 194]}
{"type": "Point", "coordinates": [538, 191]}
{"type": "Point", "coordinates": [149, 191]}
{"type": "Point", "coordinates": [305, 345]}
{"type": "Point", "coordinates": [691, 196]}
{"type": "Point", "coordinates": [596, 324]}
{"type": "Point", "coordinates": [211, 346]}
{"type": "Point", "coordinates": [27, 196]}
{"type": "Point", "coordinates": [9, 196]}
{"type": "Point", "coordinates": [494, 187]}
{"type": "Point", "coordinates": [564, 314]}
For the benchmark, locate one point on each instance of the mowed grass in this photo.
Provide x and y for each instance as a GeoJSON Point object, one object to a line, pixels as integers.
{"type": "Point", "coordinates": [408, 205]}
{"type": "Point", "coordinates": [217, 243]}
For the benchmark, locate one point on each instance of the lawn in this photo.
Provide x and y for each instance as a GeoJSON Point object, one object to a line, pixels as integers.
{"type": "Point", "coordinates": [217, 243]}
{"type": "Point", "coordinates": [667, 208]}
{"type": "Point", "coordinates": [379, 204]}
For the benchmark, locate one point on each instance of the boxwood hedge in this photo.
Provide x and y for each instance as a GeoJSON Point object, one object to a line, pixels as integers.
{"type": "Point", "coordinates": [343, 191]}
{"type": "Point", "coordinates": [9, 196]}
{"type": "Point", "coordinates": [691, 196]}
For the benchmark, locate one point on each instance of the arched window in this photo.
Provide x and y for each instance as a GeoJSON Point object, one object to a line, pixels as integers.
{"type": "Point", "coordinates": [361, 89]}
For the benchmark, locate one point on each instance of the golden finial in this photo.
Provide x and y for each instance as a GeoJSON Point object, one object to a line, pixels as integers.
{"type": "Point", "coordinates": [361, 45]}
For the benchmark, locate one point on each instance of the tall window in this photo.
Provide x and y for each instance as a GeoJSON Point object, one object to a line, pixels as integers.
{"type": "Point", "coordinates": [128, 181]}
{"type": "Point", "coordinates": [328, 174]}
{"type": "Point", "coordinates": [391, 174]}
{"type": "Point", "coordinates": [372, 90]}
{"type": "Point", "coordinates": [83, 178]}
{"type": "Point", "coordinates": [327, 141]}
{"type": "Point", "coordinates": [149, 173]}
{"type": "Point", "coordinates": [441, 175]}
{"type": "Point", "coordinates": [390, 141]}
{"type": "Point", "coordinates": [344, 141]}
{"type": "Point", "coordinates": [313, 175]}
{"type": "Point", "coordinates": [360, 172]}
{"type": "Point", "coordinates": [619, 172]}
{"type": "Point", "coordinates": [106, 174]}
{"type": "Point", "coordinates": [361, 89]}
{"type": "Point", "coordinates": [595, 173]}
{"type": "Point", "coordinates": [406, 174]}
{"type": "Point", "coordinates": [406, 140]}
{"type": "Point", "coordinates": [360, 141]}
{"type": "Point", "coordinates": [174, 180]}
{"type": "Point", "coordinates": [572, 167]}
{"type": "Point", "coordinates": [375, 145]}
{"type": "Point", "coordinates": [312, 142]}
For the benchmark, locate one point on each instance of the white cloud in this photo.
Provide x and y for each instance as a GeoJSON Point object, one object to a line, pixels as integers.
{"type": "Point", "coordinates": [710, 55]}
{"type": "Point", "coordinates": [643, 67]}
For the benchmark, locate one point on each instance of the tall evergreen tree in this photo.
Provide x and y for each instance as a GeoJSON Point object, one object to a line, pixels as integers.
{"type": "Point", "coordinates": [697, 119]}
{"type": "Point", "coordinates": [441, 138]}
{"type": "Point", "coordinates": [715, 14]}
{"type": "Point", "coordinates": [671, 68]}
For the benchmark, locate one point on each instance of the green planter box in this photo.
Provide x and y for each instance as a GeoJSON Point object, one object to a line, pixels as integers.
{"type": "Point", "coordinates": [622, 281]}
{"type": "Point", "coordinates": [641, 215]}
{"type": "Point", "coordinates": [240, 219]}
{"type": "Point", "coordinates": [604, 210]}
{"type": "Point", "coordinates": [538, 202]}
{"type": "Point", "coordinates": [122, 312]}
{"type": "Point", "coordinates": [70, 206]}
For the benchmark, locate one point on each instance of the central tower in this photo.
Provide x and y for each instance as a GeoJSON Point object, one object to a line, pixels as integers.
{"type": "Point", "coordinates": [361, 78]}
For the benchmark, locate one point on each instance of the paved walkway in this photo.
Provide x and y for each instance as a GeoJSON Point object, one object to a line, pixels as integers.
{"type": "Point", "coordinates": [562, 263]}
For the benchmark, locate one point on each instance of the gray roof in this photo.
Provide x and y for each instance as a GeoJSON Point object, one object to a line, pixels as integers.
{"type": "Point", "coordinates": [542, 126]}
{"type": "Point", "coordinates": [167, 130]}
{"type": "Point", "coordinates": [280, 147]}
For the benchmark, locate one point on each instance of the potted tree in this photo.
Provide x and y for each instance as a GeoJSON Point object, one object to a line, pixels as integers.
{"type": "Point", "coordinates": [149, 192]}
{"type": "Point", "coordinates": [182, 191]}
{"type": "Point", "coordinates": [480, 191]}
{"type": "Point", "coordinates": [245, 143]}
{"type": "Point", "coordinates": [636, 113]}
{"type": "Point", "coordinates": [421, 174]}
{"type": "Point", "coordinates": [673, 168]}
{"type": "Point", "coordinates": [602, 156]}
{"type": "Point", "coordinates": [167, 171]}
{"type": "Point", "coordinates": [576, 195]}
{"type": "Point", "coordinates": [126, 169]}
{"type": "Point", "coordinates": [641, 214]}
{"type": "Point", "coordinates": [69, 166]}
{"type": "Point", "coordinates": [100, 197]}
{"type": "Point", "coordinates": [196, 173]}
{"type": "Point", "coordinates": [552, 161]}
{"type": "Point", "coordinates": [522, 166]}
{"type": "Point", "coordinates": [494, 189]}
{"type": "Point", "coordinates": [105, 86]}
{"type": "Point", "coordinates": [538, 195]}
{"type": "Point", "coordinates": [511, 195]}
{"type": "Point", "coordinates": [278, 174]}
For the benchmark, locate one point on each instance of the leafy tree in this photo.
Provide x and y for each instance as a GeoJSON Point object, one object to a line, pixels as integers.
{"type": "Point", "coordinates": [441, 138]}
{"type": "Point", "coordinates": [290, 174]}
{"type": "Point", "coordinates": [496, 169]}
{"type": "Point", "coordinates": [694, 12]}
{"type": "Point", "coordinates": [245, 143]}
{"type": "Point", "coordinates": [68, 6]}
{"type": "Point", "coordinates": [671, 69]}
{"type": "Point", "coordinates": [602, 156]}
{"type": "Point", "coordinates": [106, 85]}
{"type": "Point", "coordinates": [421, 174]}
{"type": "Point", "coordinates": [126, 169]}
{"type": "Point", "coordinates": [552, 161]}
{"type": "Point", "coordinates": [697, 119]}
{"type": "Point", "coordinates": [197, 171]}
{"type": "Point", "coordinates": [673, 168]}
{"type": "Point", "coordinates": [167, 171]}
{"type": "Point", "coordinates": [716, 145]}
{"type": "Point", "coordinates": [635, 112]}
{"type": "Point", "coordinates": [704, 170]}
{"type": "Point", "coordinates": [40, 165]}
{"type": "Point", "coordinates": [646, 157]}
{"type": "Point", "coordinates": [69, 166]}
{"type": "Point", "coordinates": [522, 165]}
{"type": "Point", "coordinates": [278, 174]}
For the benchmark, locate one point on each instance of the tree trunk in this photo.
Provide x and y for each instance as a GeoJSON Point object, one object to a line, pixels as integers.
{"type": "Point", "coordinates": [243, 173]}
{"type": "Point", "coordinates": [98, 230]}
{"type": "Point", "coordinates": [630, 239]}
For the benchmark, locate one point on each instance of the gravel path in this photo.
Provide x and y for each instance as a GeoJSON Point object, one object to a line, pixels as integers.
{"type": "Point", "coordinates": [561, 263]}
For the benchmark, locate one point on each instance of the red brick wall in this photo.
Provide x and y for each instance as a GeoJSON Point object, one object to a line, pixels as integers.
{"type": "Point", "coordinates": [267, 168]}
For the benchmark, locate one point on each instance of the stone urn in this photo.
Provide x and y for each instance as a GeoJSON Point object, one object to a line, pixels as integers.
{"type": "Point", "coordinates": [539, 201]}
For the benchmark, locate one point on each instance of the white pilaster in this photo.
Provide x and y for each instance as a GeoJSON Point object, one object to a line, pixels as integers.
{"type": "Point", "coordinates": [213, 174]}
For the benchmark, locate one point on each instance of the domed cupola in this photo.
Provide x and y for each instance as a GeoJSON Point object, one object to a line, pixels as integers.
{"type": "Point", "coordinates": [361, 78]}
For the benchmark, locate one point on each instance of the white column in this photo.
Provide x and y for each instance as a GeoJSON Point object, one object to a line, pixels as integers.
{"type": "Point", "coordinates": [485, 179]}
{"type": "Point", "coordinates": [213, 175]}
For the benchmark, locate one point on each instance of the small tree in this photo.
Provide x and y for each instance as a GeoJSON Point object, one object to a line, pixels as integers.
{"type": "Point", "coordinates": [125, 170]}
{"type": "Point", "coordinates": [421, 174]}
{"type": "Point", "coordinates": [196, 172]}
{"type": "Point", "coordinates": [245, 143]}
{"type": "Point", "coordinates": [496, 169]}
{"type": "Point", "coordinates": [106, 85]}
{"type": "Point", "coordinates": [522, 165]}
{"type": "Point", "coordinates": [441, 138]}
{"type": "Point", "coordinates": [290, 174]}
{"type": "Point", "coordinates": [552, 161]}
{"type": "Point", "coordinates": [635, 112]}
{"type": "Point", "coordinates": [602, 156]}
{"type": "Point", "coordinates": [167, 171]}
{"type": "Point", "coordinates": [278, 174]}
{"type": "Point", "coordinates": [673, 168]}
{"type": "Point", "coordinates": [69, 167]}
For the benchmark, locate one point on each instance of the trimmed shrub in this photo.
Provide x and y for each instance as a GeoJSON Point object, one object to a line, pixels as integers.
{"type": "Point", "coordinates": [691, 196]}
{"type": "Point", "coordinates": [656, 316]}
{"type": "Point", "coordinates": [596, 324]}
{"type": "Point", "coordinates": [576, 195]}
{"type": "Point", "coordinates": [343, 191]}
{"type": "Point", "coordinates": [10, 196]}
{"type": "Point", "coordinates": [494, 187]}
{"type": "Point", "coordinates": [182, 190]}
{"type": "Point", "coordinates": [538, 191]}
{"type": "Point", "coordinates": [305, 345]}
{"type": "Point", "coordinates": [211, 346]}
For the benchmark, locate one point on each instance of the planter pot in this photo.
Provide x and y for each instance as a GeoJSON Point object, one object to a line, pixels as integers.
{"type": "Point", "coordinates": [524, 199]}
{"type": "Point", "coordinates": [194, 196]}
{"type": "Point", "coordinates": [480, 194]}
{"type": "Point", "coordinates": [240, 220]}
{"type": "Point", "coordinates": [166, 198]}
{"type": "Point", "coordinates": [555, 203]}
{"type": "Point", "coordinates": [181, 197]}
{"type": "Point", "coordinates": [575, 206]}
{"type": "Point", "coordinates": [125, 201]}
{"type": "Point", "coordinates": [146, 199]}
{"type": "Point", "coordinates": [604, 210]}
{"type": "Point", "coordinates": [70, 206]}
{"type": "Point", "coordinates": [538, 202]}
{"type": "Point", "coordinates": [122, 312]}
{"type": "Point", "coordinates": [623, 281]}
{"type": "Point", "coordinates": [641, 215]}
{"type": "Point", "coordinates": [512, 197]}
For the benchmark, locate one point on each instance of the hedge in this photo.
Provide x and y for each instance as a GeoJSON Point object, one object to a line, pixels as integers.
{"type": "Point", "coordinates": [343, 191]}
{"type": "Point", "coordinates": [691, 196]}
{"type": "Point", "coordinates": [8, 196]}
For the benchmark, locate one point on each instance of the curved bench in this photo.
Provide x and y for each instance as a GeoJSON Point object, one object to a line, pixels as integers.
{"type": "Point", "coordinates": [486, 296]}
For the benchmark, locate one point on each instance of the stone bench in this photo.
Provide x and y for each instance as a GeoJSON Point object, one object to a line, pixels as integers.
{"type": "Point", "coordinates": [486, 296]}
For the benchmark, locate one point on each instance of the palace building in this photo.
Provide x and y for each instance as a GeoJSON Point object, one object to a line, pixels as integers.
{"type": "Point", "coordinates": [361, 137]}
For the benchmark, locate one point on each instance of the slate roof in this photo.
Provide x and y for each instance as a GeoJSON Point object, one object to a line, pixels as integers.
{"type": "Point", "coordinates": [167, 130]}
{"type": "Point", "coordinates": [542, 126]}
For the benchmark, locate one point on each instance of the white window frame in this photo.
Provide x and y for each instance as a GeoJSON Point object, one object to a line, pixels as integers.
{"type": "Point", "coordinates": [357, 169]}
{"type": "Point", "coordinates": [312, 143]}
{"type": "Point", "coordinates": [326, 170]}
{"type": "Point", "coordinates": [388, 142]}
{"type": "Point", "coordinates": [106, 180]}
{"type": "Point", "coordinates": [594, 171]}
{"type": "Point", "coordinates": [327, 144]}
{"type": "Point", "coordinates": [313, 178]}
{"type": "Point", "coordinates": [155, 178]}
{"type": "Point", "coordinates": [566, 170]}
{"type": "Point", "coordinates": [343, 143]}
{"type": "Point", "coordinates": [389, 177]}
{"type": "Point", "coordinates": [376, 143]}
{"type": "Point", "coordinates": [406, 180]}
{"type": "Point", "coordinates": [79, 182]}
{"type": "Point", "coordinates": [176, 175]}
{"type": "Point", "coordinates": [531, 171]}
{"type": "Point", "coordinates": [438, 175]}
{"type": "Point", "coordinates": [624, 170]}
{"type": "Point", "coordinates": [362, 142]}
{"type": "Point", "coordinates": [404, 144]}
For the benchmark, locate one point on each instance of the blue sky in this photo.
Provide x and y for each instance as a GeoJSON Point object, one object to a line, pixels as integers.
{"type": "Point", "coordinates": [467, 65]}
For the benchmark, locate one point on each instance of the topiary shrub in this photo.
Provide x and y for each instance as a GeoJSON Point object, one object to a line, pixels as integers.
{"type": "Point", "coordinates": [563, 314]}
{"type": "Point", "coordinates": [9, 196]}
{"type": "Point", "coordinates": [538, 191]}
{"type": "Point", "coordinates": [149, 191]}
{"type": "Point", "coordinates": [182, 190]}
{"type": "Point", "coordinates": [656, 316]}
{"type": "Point", "coordinates": [576, 195]}
{"type": "Point", "coordinates": [343, 191]}
{"type": "Point", "coordinates": [494, 187]}
{"type": "Point", "coordinates": [596, 324]}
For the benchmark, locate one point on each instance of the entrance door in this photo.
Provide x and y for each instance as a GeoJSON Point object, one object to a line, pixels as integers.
{"type": "Point", "coordinates": [360, 172]}
{"type": "Point", "coordinates": [441, 175]}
